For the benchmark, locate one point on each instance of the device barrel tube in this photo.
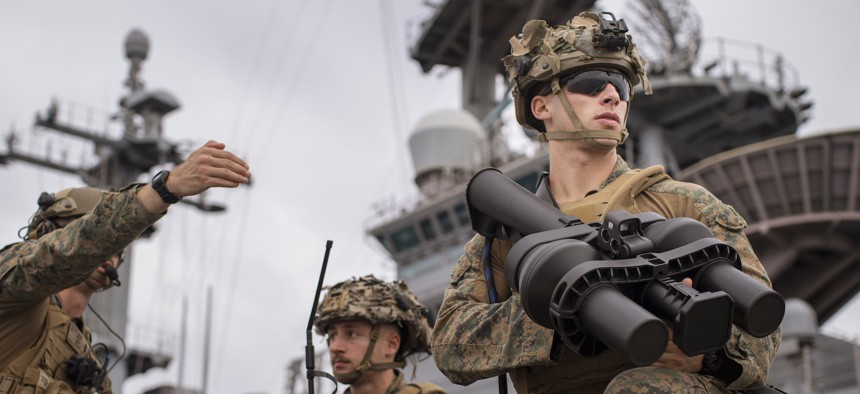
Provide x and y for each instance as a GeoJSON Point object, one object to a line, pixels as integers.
{"type": "Point", "coordinates": [758, 309]}
{"type": "Point", "coordinates": [496, 195]}
{"type": "Point", "coordinates": [623, 325]}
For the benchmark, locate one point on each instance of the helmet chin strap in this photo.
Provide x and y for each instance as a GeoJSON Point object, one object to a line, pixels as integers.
{"type": "Point", "coordinates": [366, 364]}
{"type": "Point", "coordinates": [581, 133]}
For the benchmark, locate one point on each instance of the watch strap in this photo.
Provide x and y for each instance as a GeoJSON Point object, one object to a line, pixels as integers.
{"type": "Point", "coordinates": [159, 184]}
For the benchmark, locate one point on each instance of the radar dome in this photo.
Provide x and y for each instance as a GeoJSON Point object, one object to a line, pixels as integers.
{"type": "Point", "coordinates": [446, 149]}
{"type": "Point", "coordinates": [136, 45]}
{"type": "Point", "coordinates": [800, 320]}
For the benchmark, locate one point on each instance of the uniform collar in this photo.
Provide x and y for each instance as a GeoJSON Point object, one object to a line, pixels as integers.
{"type": "Point", "coordinates": [543, 190]}
{"type": "Point", "coordinates": [619, 169]}
{"type": "Point", "coordinates": [394, 387]}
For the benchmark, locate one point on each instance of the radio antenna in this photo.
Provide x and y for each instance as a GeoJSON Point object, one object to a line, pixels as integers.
{"type": "Point", "coordinates": [310, 358]}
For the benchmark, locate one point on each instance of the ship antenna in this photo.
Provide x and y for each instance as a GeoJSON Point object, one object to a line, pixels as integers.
{"type": "Point", "coordinates": [309, 348]}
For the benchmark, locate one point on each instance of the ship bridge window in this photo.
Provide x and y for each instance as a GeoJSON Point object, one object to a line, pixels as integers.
{"type": "Point", "coordinates": [462, 214]}
{"type": "Point", "coordinates": [404, 238]}
{"type": "Point", "coordinates": [427, 228]}
{"type": "Point", "coordinates": [445, 222]}
{"type": "Point", "coordinates": [384, 242]}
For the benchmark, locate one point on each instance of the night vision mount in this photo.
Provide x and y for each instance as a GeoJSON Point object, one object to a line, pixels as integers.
{"type": "Point", "coordinates": [615, 284]}
{"type": "Point", "coordinates": [613, 33]}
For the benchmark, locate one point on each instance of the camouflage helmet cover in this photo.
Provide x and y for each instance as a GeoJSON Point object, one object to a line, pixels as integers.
{"type": "Point", "coordinates": [67, 203]}
{"type": "Point", "coordinates": [378, 301]}
{"type": "Point", "coordinates": [588, 40]}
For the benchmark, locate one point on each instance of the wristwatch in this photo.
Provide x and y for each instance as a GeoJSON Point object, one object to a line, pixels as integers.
{"type": "Point", "coordinates": [720, 366]}
{"type": "Point", "coordinates": [159, 183]}
{"type": "Point", "coordinates": [711, 363]}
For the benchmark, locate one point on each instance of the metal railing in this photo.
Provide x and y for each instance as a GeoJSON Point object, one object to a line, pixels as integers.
{"type": "Point", "coordinates": [728, 57]}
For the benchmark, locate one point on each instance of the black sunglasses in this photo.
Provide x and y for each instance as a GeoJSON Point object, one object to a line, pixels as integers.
{"type": "Point", "coordinates": [593, 82]}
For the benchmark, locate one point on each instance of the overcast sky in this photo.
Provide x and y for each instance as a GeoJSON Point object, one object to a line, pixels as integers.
{"type": "Point", "coordinates": [319, 97]}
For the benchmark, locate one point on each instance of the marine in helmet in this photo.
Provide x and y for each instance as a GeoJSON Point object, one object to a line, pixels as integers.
{"type": "Point", "coordinates": [371, 327]}
{"type": "Point", "coordinates": [70, 250]}
{"type": "Point", "coordinates": [574, 84]}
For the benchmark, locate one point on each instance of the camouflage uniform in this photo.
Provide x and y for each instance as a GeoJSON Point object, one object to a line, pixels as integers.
{"type": "Point", "coordinates": [473, 339]}
{"type": "Point", "coordinates": [35, 334]}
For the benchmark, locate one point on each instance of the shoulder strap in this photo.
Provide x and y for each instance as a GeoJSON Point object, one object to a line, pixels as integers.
{"type": "Point", "coordinates": [643, 179]}
{"type": "Point", "coordinates": [618, 194]}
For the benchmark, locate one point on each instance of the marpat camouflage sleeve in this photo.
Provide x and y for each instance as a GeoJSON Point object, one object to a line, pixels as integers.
{"type": "Point", "coordinates": [473, 339]}
{"type": "Point", "coordinates": [753, 354]}
{"type": "Point", "coordinates": [33, 270]}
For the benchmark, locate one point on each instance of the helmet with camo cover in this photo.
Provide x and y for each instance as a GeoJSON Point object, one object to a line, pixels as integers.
{"type": "Point", "coordinates": [542, 54]}
{"type": "Point", "coordinates": [67, 203]}
{"type": "Point", "coordinates": [377, 301]}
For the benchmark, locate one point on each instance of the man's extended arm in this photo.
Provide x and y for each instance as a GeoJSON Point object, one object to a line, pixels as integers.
{"type": "Point", "coordinates": [35, 269]}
